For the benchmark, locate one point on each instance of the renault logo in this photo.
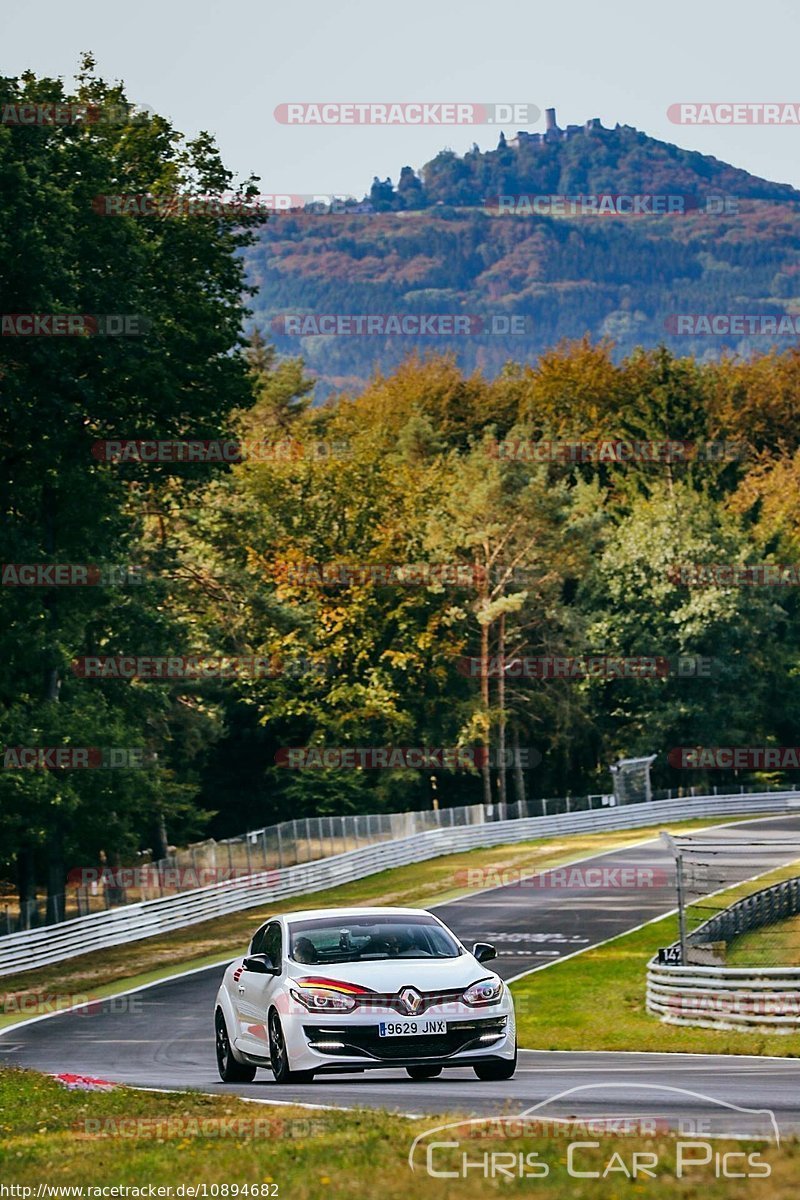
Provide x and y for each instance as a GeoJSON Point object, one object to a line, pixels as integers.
{"type": "Point", "coordinates": [412, 999]}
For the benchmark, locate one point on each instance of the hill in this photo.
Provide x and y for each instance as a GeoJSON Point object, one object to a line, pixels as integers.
{"type": "Point", "coordinates": [606, 232]}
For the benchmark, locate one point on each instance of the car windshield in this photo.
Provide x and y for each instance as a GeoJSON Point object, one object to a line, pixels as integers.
{"type": "Point", "coordinates": [365, 939]}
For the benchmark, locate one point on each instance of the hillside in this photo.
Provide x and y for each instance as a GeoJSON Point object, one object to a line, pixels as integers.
{"type": "Point", "coordinates": [512, 232]}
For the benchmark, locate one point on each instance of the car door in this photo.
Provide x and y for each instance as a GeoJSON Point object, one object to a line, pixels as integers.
{"type": "Point", "coordinates": [255, 991]}
{"type": "Point", "coordinates": [238, 988]}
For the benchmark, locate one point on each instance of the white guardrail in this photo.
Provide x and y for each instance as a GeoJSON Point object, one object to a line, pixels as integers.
{"type": "Point", "coordinates": [53, 943]}
{"type": "Point", "coordinates": [751, 998]}
{"type": "Point", "coordinates": [717, 996]}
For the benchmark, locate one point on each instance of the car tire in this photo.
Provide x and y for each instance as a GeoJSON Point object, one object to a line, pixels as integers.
{"type": "Point", "coordinates": [279, 1055]}
{"type": "Point", "coordinates": [230, 1070]}
{"type": "Point", "coordinates": [496, 1071]}
{"type": "Point", "coordinates": [419, 1073]}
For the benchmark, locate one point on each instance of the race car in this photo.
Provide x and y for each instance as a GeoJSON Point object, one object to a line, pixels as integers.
{"type": "Point", "coordinates": [349, 989]}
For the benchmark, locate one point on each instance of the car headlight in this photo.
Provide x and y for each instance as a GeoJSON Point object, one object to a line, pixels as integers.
{"type": "Point", "coordinates": [485, 991]}
{"type": "Point", "coordinates": [327, 995]}
{"type": "Point", "coordinates": [321, 1000]}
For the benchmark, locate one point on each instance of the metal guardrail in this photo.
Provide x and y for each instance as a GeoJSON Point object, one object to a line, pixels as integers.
{"type": "Point", "coordinates": [81, 935]}
{"type": "Point", "coordinates": [732, 997]}
{"type": "Point", "coordinates": [771, 904]}
{"type": "Point", "coordinates": [750, 998]}
{"type": "Point", "coordinates": [274, 847]}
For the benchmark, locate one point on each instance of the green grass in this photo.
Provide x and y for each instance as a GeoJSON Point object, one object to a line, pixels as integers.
{"type": "Point", "coordinates": [596, 1000]}
{"type": "Point", "coordinates": [62, 1138]}
{"type": "Point", "coordinates": [776, 945]}
{"type": "Point", "coordinates": [104, 972]}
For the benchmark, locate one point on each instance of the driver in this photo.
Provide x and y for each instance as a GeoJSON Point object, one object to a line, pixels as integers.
{"type": "Point", "coordinates": [389, 942]}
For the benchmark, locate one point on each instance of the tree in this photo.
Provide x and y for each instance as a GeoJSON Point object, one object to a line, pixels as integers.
{"type": "Point", "coordinates": [182, 375]}
{"type": "Point", "coordinates": [281, 389]}
{"type": "Point", "coordinates": [410, 189]}
{"type": "Point", "coordinates": [519, 530]}
{"type": "Point", "coordinates": [732, 640]}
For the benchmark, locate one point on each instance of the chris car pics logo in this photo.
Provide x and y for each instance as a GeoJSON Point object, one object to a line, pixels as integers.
{"type": "Point", "coordinates": [697, 1139]}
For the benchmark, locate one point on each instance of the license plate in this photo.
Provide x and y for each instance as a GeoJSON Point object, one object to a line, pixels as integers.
{"type": "Point", "coordinates": [411, 1028]}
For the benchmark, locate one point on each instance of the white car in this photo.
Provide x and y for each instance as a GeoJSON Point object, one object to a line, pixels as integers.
{"type": "Point", "coordinates": [347, 989]}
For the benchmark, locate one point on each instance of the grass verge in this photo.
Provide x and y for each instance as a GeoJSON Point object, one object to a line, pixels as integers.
{"type": "Point", "coordinates": [133, 1139]}
{"type": "Point", "coordinates": [596, 1000]}
{"type": "Point", "coordinates": [133, 964]}
{"type": "Point", "coordinates": [776, 945]}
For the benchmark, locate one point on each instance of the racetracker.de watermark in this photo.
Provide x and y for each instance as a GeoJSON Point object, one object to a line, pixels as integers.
{"type": "Point", "coordinates": [736, 1004]}
{"type": "Point", "coordinates": [600, 666]}
{"type": "Point", "coordinates": [405, 113]}
{"type": "Point", "coordinates": [615, 451]}
{"type": "Point", "coordinates": [193, 667]}
{"type": "Point", "coordinates": [77, 758]}
{"type": "Point", "coordinates": [47, 575]}
{"type": "Point", "coordinates": [398, 324]}
{"type": "Point", "coordinates": [455, 574]}
{"type": "Point", "coordinates": [217, 1128]}
{"type": "Point", "coordinates": [564, 878]}
{"type": "Point", "coordinates": [735, 574]}
{"type": "Point", "coordinates": [60, 325]}
{"type": "Point", "coordinates": [227, 204]}
{"type": "Point", "coordinates": [36, 1004]}
{"type": "Point", "coordinates": [609, 204]}
{"type": "Point", "coordinates": [152, 875]}
{"type": "Point", "coordinates": [733, 324]}
{"type": "Point", "coordinates": [60, 113]}
{"type": "Point", "coordinates": [738, 112]}
{"type": "Point", "coordinates": [392, 758]}
{"type": "Point", "coordinates": [735, 758]}
{"type": "Point", "coordinates": [216, 450]}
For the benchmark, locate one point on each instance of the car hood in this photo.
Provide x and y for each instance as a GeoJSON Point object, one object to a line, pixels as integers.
{"type": "Point", "coordinates": [389, 975]}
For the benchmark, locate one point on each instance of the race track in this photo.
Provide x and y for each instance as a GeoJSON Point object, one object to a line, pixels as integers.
{"type": "Point", "coordinates": [162, 1036]}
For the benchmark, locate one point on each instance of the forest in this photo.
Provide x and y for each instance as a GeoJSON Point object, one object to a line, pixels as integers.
{"type": "Point", "coordinates": [458, 560]}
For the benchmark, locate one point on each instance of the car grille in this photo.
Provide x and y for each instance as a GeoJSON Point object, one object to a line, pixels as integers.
{"type": "Point", "coordinates": [365, 1041]}
{"type": "Point", "coordinates": [392, 1000]}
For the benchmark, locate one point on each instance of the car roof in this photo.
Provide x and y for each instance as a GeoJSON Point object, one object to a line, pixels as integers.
{"type": "Point", "coordinates": [352, 913]}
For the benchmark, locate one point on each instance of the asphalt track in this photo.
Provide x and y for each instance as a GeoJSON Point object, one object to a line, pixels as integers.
{"type": "Point", "coordinates": [162, 1036]}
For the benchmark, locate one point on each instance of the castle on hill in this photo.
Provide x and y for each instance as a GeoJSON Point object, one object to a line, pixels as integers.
{"type": "Point", "coordinates": [552, 131]}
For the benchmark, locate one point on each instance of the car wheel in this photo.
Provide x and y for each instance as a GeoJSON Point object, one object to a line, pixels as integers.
{"type": "Point", "coordinates": [230, 1071]}
{"type": "Point", "coordinates": [279, 1055]}
{"type": "Point", "coordinates": [502, 1069]}
{"type": "Point", "coordinates": [424, 1072]}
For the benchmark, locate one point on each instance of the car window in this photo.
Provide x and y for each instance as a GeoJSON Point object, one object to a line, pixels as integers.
{"type": "Point", "coordinates": [327, 940]}
{"type": "Point", "coordinates": [272, 943]}
{"type": "Point", "coordinates": [257, 944]}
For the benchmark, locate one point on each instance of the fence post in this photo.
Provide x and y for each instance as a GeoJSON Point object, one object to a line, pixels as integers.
{"type": "Point", "coordinates": [670, 842]}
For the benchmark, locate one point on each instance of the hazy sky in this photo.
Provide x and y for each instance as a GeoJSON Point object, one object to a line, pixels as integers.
{"type": "Point", "coordinates": [225, 66]}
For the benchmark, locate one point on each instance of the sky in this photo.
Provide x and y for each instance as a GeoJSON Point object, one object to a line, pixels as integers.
{"type": "Point", "coordinates": [224, 67]}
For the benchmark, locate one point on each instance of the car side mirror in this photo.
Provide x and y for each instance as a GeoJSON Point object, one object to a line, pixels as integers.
{"type": "Point", "coordinates": [483, 950]}
{"type": "Point", "coordinates": [260, 964]}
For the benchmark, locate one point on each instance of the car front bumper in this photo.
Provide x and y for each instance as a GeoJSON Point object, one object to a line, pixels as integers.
{"type": "Point", "coordinates": [354, 1043]}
